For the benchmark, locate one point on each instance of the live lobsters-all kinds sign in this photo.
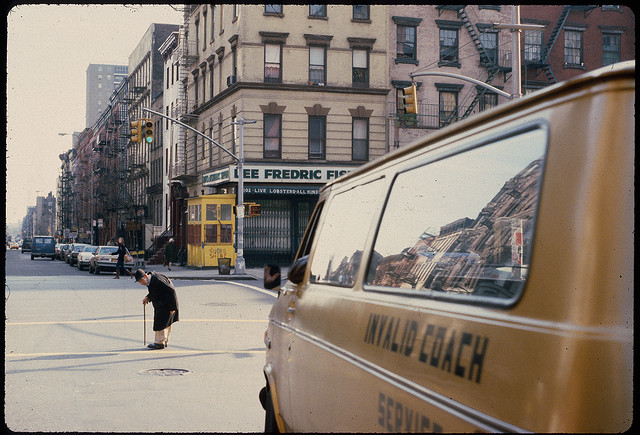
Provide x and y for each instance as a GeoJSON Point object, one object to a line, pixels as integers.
{"type": "Point", "coordinates": [276, 174]}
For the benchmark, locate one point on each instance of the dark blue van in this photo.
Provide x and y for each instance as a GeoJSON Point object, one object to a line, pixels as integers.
{"type": "Point", "coordinates": [43, 246]}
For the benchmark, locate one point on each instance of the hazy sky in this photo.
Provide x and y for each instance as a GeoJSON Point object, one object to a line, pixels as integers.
{"type": "Point", "coordinates": [49, 48]}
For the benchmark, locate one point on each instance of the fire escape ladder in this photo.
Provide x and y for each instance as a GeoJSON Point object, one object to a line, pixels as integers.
{"type": "Point", "coordinates": [552, 40]}
{"type": "Point", "coordinates": [187, 56]}
{"type": "Point", "coordinates": [485, 60]}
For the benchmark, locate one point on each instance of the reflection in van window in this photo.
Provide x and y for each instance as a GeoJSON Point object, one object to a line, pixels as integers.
{"type": "Point", "coordinates": [341, 239]}
{"type": "Point", "coordinates": [463, 224]}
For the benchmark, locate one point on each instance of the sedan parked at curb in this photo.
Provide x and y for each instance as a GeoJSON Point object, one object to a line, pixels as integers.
{"type": "Point", "coordinates": [85, 255]}
{"type": "Point", "coordinates": [72, 257]}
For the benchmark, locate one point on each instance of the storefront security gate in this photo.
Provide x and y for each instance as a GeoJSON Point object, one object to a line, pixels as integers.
{"type": "Point", "coordinates": [274, 236]}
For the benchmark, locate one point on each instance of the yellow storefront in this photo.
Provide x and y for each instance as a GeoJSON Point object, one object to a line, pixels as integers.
{"type": "Point", "coordinates": [210, 230]}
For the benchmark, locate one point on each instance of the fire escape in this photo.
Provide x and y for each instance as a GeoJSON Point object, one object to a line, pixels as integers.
{"type": "Point", "coordinates": [187, 55]}
{"type": "Point", "coordinates": [491, 63]}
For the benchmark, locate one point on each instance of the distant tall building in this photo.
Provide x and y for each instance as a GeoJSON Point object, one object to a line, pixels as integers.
{"type": "Point", "coordinates": [102, 80]}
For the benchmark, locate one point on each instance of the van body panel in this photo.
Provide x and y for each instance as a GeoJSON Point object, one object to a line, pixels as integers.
{"type": "Point", "coordinates": [355, 353]}
{"type": "Point", "coordinates": [43, 246]}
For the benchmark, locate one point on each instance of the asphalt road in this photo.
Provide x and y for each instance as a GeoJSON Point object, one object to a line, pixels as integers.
{"type": "Point", "coordinates": [75, 355]}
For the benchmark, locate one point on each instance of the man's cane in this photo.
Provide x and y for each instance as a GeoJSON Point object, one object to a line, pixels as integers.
{"type": "Point", "coordinates": [144, 315]}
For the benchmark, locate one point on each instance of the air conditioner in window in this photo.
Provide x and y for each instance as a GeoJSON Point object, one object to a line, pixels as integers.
{"type": "Point", "coordinates": [231, 80]}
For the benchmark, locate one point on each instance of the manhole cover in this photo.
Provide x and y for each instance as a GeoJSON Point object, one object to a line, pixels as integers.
{"type": "Point", "coordinates": [221, 304]}
{"type": "Point", "coordinates": [165, 372]}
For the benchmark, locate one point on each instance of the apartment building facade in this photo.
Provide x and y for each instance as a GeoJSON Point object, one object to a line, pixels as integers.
{"type": "Point", "coordinates": [575, 39]}
{"type": "Point", "coordinates": [101, 81]}
{"type": "Point", "coordinates": [313, 79]}
{"type": "Point", "coordinates": [449, 39]}
{"type": "Point", "coordinates": [144, 160]}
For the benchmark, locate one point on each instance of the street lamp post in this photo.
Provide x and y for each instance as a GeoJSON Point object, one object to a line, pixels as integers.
{"type": "Point", "coordinates": [240, 263]}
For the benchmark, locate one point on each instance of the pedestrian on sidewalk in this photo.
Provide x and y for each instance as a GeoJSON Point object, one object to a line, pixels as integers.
{"type": "Point", "coordinates": [162, 294]}
{"type": "Point", "coordinates": [122, 253]}
{"type": "Point", "coordinates": [170, 252]}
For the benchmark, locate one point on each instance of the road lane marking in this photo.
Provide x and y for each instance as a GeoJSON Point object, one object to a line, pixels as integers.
{"type": "Point", "coordinates": [69, 322]}
{"type": "Point", "coordinates": [131, 352]}
{"type": "Point", "coordinates": [266, 292]}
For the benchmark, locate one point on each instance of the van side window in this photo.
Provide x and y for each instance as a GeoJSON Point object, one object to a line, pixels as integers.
{"type": "Point", "coordinates": [462, 226]}
{"type": "Point", "coordinates": [345, 227]}
{"type": "Point", "coordinates": [305, 245]}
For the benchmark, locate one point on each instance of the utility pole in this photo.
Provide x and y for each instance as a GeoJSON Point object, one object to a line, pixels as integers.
{"type": "Point", "coordinates": [516, 64]}
{"type": "Point", "coordinates": [240, 263]}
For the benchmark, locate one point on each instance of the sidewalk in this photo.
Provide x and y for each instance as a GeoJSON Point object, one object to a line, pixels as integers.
{"type": "Point", "coordinates": [207, 273]}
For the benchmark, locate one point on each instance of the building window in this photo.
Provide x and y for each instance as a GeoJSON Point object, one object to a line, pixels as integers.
{"type": "Point", "coordinates": [211, 82]}
{"type": "Point", "coordinates": [317, 136]}
{"type": "Point", "coordinates": [272, 136]}
{"type": "Point", "coordinates": [317, 70]}
{"type": "Point", "coordinates": [448, 108]}
{"type": "Point", "coordinates": [273, 9]}
{"type": "Point", "coordinates": [406, 42]}
{"type": "Point", "coordinates": [317, 10]}
{"type": "Point", "coordinates": [197, 24]}
{"type": "Point", "coordinates": [610, 48]}
{"type": "Point", "coordinates": [489, 42]}
{"type": "Point", "coordinates": [195, 89]}
{"type": "Point", "coordinates": [204, 85]}
{"type": "Point", "coordinates": [272, 63]}
{"type": "Point", "coordinates": [573, 48]}
{"type": "Point", "coordinates": [361, 12]}
{"type": "Point", "coordinates": [360, 139]}
{"type": "Point", "coordinates": [213, 21]}
{"type": "Point", "coordinates": [360, 68]}
{"type": "Point", "coordinates": [488, 100]}
{"type": "Point", "coordinates": [449, 46]}
{"type": "Point", "coordinates": [204, 29]}
{"type": "Point", "coordinates": [234, 61]}
{"type": "Point", "coordinates": [533, 46]}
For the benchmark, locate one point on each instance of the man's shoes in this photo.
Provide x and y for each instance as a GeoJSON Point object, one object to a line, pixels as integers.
{"type": "Point", "coordinates": [156, 346]}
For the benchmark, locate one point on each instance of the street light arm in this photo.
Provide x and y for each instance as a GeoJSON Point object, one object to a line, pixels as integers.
{"type": "Point", "coordinates": [144, 109]}
{"type": "Point", "coordinates": [461, 77]}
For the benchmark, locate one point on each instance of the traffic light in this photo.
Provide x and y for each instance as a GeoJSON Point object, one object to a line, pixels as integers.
{"type": "Point", "coordinates": [148, 130]}
{"type": "Point", "coordinates": [136, 131]}
{"type": "Point", "coordinates": [252, 209]}
{"type": "Point", "coordinates": [410, 99]}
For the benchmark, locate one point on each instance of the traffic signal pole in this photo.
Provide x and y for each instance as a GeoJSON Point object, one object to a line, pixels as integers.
{"type": "Point", "coordinates": [240, 268]}
{"type": "Point", "coordinates": [240, 264]}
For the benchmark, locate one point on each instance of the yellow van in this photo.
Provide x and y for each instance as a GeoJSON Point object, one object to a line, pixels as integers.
{"type": "Point", "coordinates": [480, 279]}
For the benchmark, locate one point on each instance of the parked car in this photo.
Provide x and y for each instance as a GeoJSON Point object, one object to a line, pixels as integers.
{"type": "Point", "coordinates": [43, 247]}
{"type": "Point", "coordinates": [64, 252]}
{"type": "Point", "coordinates": [73, 255]}
{"type": "Point", "coordinates": [26, 246]}
{"type": "Point", "coordinates": [84, 256]}
{"type": "Point", "coordinates": [63, 247]}
{"type": "Point", "coordinates": [105, 259]}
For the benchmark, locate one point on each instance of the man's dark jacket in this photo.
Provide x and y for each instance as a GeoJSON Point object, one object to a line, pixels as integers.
{"type": "Point", "coordinates": [162, 295]}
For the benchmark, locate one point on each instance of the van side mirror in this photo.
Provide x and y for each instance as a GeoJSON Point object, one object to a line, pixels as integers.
{"type": "Point", "coordinates": [271, 276]}
{"type": "Point", "coordinates": [297, 270]}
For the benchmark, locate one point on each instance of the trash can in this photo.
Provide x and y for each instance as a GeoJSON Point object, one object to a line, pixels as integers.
{"type": "Point", "coordinates": [224, 266]}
